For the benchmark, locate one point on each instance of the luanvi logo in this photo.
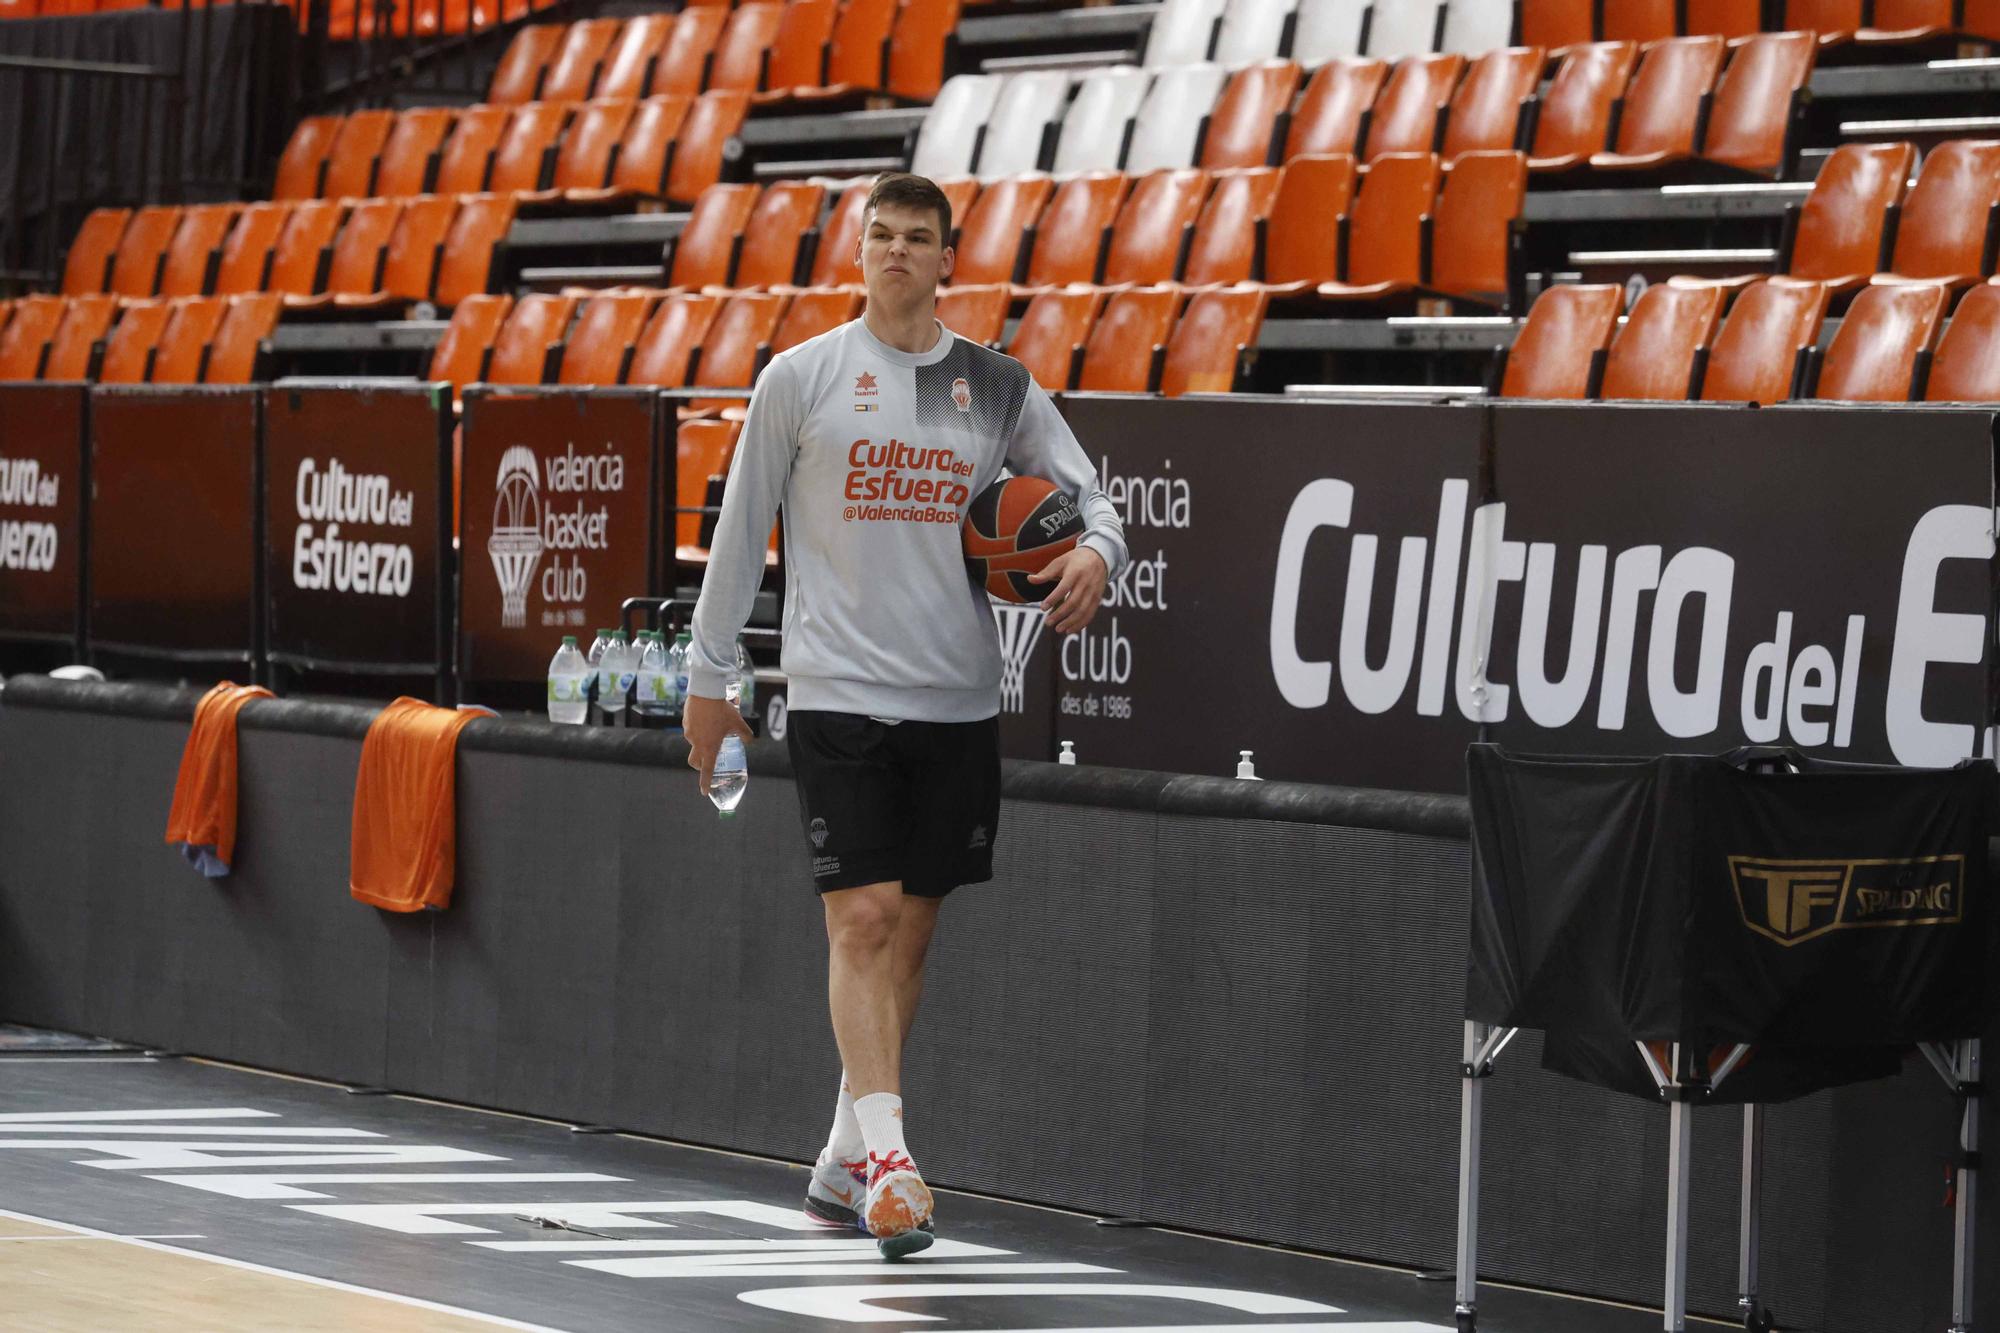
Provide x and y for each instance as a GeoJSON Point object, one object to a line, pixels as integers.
{"type": "Point", "coordinates": [1792, 901]}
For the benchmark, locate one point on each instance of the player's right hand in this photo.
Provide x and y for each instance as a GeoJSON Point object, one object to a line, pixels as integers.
{"type": "Point", "coordinates": [705, 722]}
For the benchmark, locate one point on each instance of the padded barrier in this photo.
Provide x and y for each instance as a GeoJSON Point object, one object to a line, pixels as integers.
{"type": "Point", "coordinates": [1225, 1006]}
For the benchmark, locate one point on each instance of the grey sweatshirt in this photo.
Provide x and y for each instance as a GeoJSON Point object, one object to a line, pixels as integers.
{"type": "Point", "coordinates": [875, 454]}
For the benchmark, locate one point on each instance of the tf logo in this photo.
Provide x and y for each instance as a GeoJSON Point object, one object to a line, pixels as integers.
{"type": "Point", "coordinates": [1792, 901]}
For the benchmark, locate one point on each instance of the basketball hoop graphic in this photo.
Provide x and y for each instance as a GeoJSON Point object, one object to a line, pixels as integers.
{"type": "Point", "coordinates": [1020, 630]}
{"type": "Point", "coordinates": [516, 542]}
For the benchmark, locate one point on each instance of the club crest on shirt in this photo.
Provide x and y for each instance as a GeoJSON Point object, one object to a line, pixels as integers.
{"type": "Point", "coordinates": [864, 385]}
{"type": "Point", "coordinates": [961, 395]}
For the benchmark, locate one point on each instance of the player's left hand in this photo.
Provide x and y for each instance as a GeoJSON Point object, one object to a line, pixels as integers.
{"type": "Point", "coordinates": [1079, 575]}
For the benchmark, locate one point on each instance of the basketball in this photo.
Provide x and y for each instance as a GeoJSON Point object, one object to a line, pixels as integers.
{"type": "Point", "coordinates": [1015, 527]}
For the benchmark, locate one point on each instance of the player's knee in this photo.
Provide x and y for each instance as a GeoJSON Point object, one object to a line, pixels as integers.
{"type": "Point", "coordinates": [862, 921]}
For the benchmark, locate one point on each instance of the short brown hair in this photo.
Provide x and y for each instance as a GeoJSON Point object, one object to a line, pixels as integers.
{"type": "Point", "coordinates": [904, 190]}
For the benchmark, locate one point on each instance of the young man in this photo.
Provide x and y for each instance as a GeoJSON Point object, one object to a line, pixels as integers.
{"type": "Point", "coordinates": [875, 437]}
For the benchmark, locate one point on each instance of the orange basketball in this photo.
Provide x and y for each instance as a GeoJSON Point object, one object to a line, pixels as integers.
{"type": "Point", "coordinates": [1013, 528]}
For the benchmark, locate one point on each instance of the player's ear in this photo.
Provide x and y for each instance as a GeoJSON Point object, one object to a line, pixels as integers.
{"type": "Point", "coordinates": [947, 261]}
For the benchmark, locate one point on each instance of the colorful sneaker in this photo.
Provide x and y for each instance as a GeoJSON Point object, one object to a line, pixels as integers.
{"type": "Point", "coordinates": [836, 1191]}
{"type": "Point", "coordinates": [898, 1210]}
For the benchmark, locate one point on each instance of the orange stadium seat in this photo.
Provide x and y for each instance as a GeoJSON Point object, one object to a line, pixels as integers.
{"type": "Point", "coordinates": [467, 256]}
{"type": "Point", "coordinates": [87, 268]}
{"type": "Point", "coordinates": [128, 352]}
{"type": "Point", "coordinates": [1834, 20]}
{"type": "Point", "coordinates": [959, 192]}
{"type": "Point", "coordinates": [232, 354]}
{"type": "Point", "coordinates": [1725, 18]}
{"type": "Point", "coordinates": [976, 313]}
{"type": "Point", "coordinates": [185, 339]}
{"type": "Point", "coordinates": [1471, 238]}
{"type": "Point", "coordinates": [1750, 123]}
{"type": "Point", "coordinates": [1129, 340]}
{"type": "Point", "coordinates": [1982, 19]}
{"type": "Point", "coordinates": [738, 341]}
{"type": "Point", "coordinates": [525, 64]}
{"type": "Point", "coordinates": [467, 155]}
{"type": "Point", "coordinates": [1329, 117]}
{"type": "Point", "coordinates": [683, 61]}
{"type": "Point", "coordinates": [799, 50]}
{"type": "Point", "coordinates": [1654, 355]}
{"type": "Point", "coordinates": [706, 249]}
{"type": "Point", "coordinates": [776, 231]}
{"type": "Point", "coordinates": [524, 159]}
{"type": "Point", "coordinates": [702, 449]}
{"type": "Point", "coordinates": [142, 250]}
{"type": "Point", "coordinates": [1949, 216]}
{"type": "Point", "coordinates": [627, 67]}
{"type": "Point", "coordinates": [993, 234]}
{"type": "Point", "coordinates": [857, 58]}
{"type": "Point", "coordinates": [1663, 104]}
{"type": "Point", "coordinates": [648, 146]}
{"type": "Point", "coordinates": [917, 47]}
{"type": "Point", "coordinates": [534, 329]}
{"type": "Point", "coordinates": [1485, 112]}
{"type": "Point", "coordinates": [461, 354]}
{"type": "Point", "coordinates": [196, 249]}
{"type": "Point", "coordinates": [1967, 366]}
{"type": "Point", "coordinates": [606, 329]}
{"type": "Point", "coordinates": [833, 262]}
{"type": "Point", "coordinates": [1640, 21]}
{"type": "Point", "coordinates": [1302, 240]}
{"type": "Point", "coordinates": [305, 247]}
{"type": "Point", "coordinates": [357, 254]}
{"type": "Point", "coordinates": [812, 313]}
{"type": "Point", "coordinates": [86, 320]}
{"type": "Point", "coordinates": [410, 155]}
{"type": "Point", "coordinates": [1385, 238]}
{"type": "Point", "coordinates": [1555, 23]}
{"type": "Point", "coordinates": [1224, 250]}
{"type": "Point", "coordinates": [744, 48]}
{"type": "Point", "coordinates": [667, 344]}
{"type": "Point", "coordinates": [1896, 22]}
{"type": "Point", "coordinates": [1208, 345]}
{"type": "Point", "coordinates": [573, 72]}
{"type": "Point", "coordinates": [1050, 338]}
{"type": "Point", "coordinates": [1407, 112]}
{"type": "Point", "coordinates": [1575, 119]}
{"type": "Point", "coordinates": [25, 340]}
{"type": "Point", "coordinates": [1242, 129]}
{"type": "Point", "coordinates": [1075, 228]}
{"type": "Point", "coordinates": [246, 253]}
{"type": "Point", "coordinates": [1155, 227]}
{"type": "Point", "coordinates": [409, 262]}
{"type": "Point", "coordinates": [1875, 354]}
{"type": "Point", "coordinates": [1561, 341]}
{"type": "Point", "coordinates": [711, 122]}
{"type": "Point", "coordinates": [583, 162]}
{"type": "Point", "coordinates": [1838, 240]}
{"type": "Point", "coordinates": [1756, 355]}
{"type": "Point", "coordinates": [350, 165]}
{"type": "Point", "coordinates": [305, 154]}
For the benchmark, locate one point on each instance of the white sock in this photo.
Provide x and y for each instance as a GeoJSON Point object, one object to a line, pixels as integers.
{"type": "Point", "coordinates": [845, 1143]}
{"type": "Point", "coordinates": [881, 1116]}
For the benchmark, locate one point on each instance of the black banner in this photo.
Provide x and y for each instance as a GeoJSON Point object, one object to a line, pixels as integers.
{"type": "Point", "coordinates": [357, 503]}
{"type": "Point", "coordinates": [560, 521]}
{"type": "Point", "coordinates": [1351, 591]}
{"type": "Point", "coordinates": [43, 488]}
{"type": "Point", "coordinates": [174, 531]}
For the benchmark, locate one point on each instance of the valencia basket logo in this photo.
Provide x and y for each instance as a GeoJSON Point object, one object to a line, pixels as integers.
{"type": "Point", "coordinates": [1792, 901]}
{"type": "Point", "coordinates": [516, 542]}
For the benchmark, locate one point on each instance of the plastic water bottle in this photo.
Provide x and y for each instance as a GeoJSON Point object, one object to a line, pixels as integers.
{"type": "Point", "coordinates": [569, 683]}
{"type": "Point", "coordinates": [746, 679]}
{"type": "Point", "coordinates": [731, 774]}
{"type": "Point", "coordinates": [649, 693]}
{"type": "Point", "coordinates": [593, 659]}
{"type": "Point", "coordinates": [683, 645]}
{"type": "Point", "coordinates": [615, 674]}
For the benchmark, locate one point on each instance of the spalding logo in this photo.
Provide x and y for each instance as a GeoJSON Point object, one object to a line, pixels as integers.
{"type": "Point", "coordinates": [1052, 523]}
{"type": "Point", "coordinates": [961, 395]}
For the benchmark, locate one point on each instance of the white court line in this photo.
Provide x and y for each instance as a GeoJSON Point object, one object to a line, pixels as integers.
{"type": "Point", "coordinates": [496, 1320]}
{"type": "Point", "coordinates": [186, 1235]}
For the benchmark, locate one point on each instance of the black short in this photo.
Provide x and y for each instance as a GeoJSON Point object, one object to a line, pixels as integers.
{"type": "Point", "coordinates": [917, 802]}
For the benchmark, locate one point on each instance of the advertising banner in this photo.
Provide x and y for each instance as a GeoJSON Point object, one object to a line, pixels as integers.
{"type": "Point", "coordinates": [560, 520]}
{"type": "Point", "coordinates": [43, 491]}
{"type": "Point", "coordinates": [357, 503]}
{"type": "Point", "coordinates": [175, 553]}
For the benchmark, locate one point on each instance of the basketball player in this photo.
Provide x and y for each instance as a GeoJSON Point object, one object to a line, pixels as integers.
{"type": "Point", "coordinates": [875, 437]}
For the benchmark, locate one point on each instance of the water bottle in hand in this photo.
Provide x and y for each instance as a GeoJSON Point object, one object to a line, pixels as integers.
{"type": "Point", "coordinates": [569, 681]}
{"type": "Point", "coordinates": [730, 776]}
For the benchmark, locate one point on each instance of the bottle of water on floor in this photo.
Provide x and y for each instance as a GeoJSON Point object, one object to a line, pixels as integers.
{"type": "Point", "coordinates": [615, 674]}
{"type": "Point", "coordinates": [649, 690]}
{"type": "Point", "coordinates": [731, 774]}
{"type": "Point", "coordinates": [594, 658]}
{"type": "Point", "coordinates": [683, 644]}
{"type": "Point", "coordinates": [569, 682]}
{"type": "Point", "coordinates": [673, 679]}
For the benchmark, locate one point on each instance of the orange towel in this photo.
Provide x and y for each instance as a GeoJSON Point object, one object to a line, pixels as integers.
{"type": "Point", "coordinates": [202, 822]}
{"type": "Point", "coordinates": [405, 850]}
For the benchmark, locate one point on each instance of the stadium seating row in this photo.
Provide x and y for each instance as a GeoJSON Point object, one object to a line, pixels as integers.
{"type": "Point", "coordinates": [605, 151]}
{"type": "Point", "coordinates": [1610, 107]}
{"type": "Point", "coordinates": [1676, 345]}
{"type": "Point", "coordinates": [188, 340]}
{"type": "Point", "coordinates": [1234, 33]}
{"type": "Point", "coordinates": [346, 19]}
{"type": "Point", "coordinates": [365, 254]}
